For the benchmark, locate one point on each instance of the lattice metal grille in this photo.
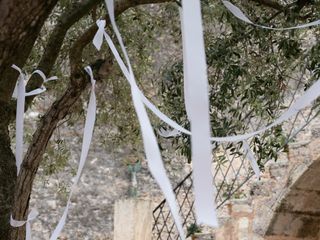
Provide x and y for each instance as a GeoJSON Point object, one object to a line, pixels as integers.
{"type": "Point", "coordinates": [164, 227]}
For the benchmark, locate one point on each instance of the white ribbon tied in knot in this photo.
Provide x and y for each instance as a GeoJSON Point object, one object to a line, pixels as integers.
{"type": "Point", "coordinates": [20, 94]}
{"type": "Point", "coordinates": [32, 215]}
{"type": "Point", "coordinates": [98, 38]}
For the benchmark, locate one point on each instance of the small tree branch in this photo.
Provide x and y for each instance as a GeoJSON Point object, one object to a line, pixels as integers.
{"type": "Point", "coordinates": [271, 4]}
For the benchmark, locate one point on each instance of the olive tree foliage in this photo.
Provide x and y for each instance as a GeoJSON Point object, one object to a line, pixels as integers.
{"type": "Point", "coordinates": [248, 69]}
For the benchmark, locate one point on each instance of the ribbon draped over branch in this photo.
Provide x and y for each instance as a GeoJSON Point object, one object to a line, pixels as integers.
{"type": "Point", "coordinates": [32, 215]}
{"type": "Point", "coordinates": [240, 15]}
{"type": "Point", "coordinates": [20, 94]}
{"type": "Point", "coordinates": [149, 139]}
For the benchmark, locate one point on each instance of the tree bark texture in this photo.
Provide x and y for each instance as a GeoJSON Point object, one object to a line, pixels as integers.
{"type": "Point", "coordinates": [8, 174]}
{"type": "Point", "coordinates": [20, 24]}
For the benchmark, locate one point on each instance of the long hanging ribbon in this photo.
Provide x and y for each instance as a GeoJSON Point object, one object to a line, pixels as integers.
{"type": "Point", "coordinates": [195, 77]}
{"type": "Point", "coordinates": [32, 215]}
{"type": "Point", "coordinates": [21, 89]}
{"type": "Point", "coordinates": [20, 94]}
{"type": "Point", "coordinates": [186, 87]}
{"type": "Point", "coordinates": [253, 162]}
{"type": "Point", "coordinates": [87, 136]}
{"type": "Point", "coordinates": [239, 14]}
{"type": "Point", "coordinates": [150, 143]}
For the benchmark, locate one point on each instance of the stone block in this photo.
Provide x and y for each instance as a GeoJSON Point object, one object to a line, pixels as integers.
{"type": "Point", "coordinates": [133, 220]}
{"type": "Point", "coordinates": [310, 178]}
{"type": "Point", "coordinates": [243, 223]}
{"type": "Point", "coordinates": [241, 208]}
{"type": "Point", "coordinates": [302, 201]}
{"type": "Point", "coordinates": [294, 225]}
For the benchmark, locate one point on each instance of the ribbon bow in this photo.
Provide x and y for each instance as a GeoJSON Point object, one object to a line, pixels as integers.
{"type": "Point", "coordinates": [32, 215]}
{"type": "Point", "coordinates": [98, 38]}
{"type": "Point", "coordinates": [20, 93]}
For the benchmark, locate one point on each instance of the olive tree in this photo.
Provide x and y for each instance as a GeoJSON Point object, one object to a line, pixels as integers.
{"type": "Point", "coordinates": [42, 32]}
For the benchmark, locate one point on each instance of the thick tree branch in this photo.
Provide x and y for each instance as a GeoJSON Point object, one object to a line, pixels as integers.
{"type": "Point", "coordinates": [20, 24]}
{"type": "Point", "coordinates": [271, 4]}
{"type": "Point", "coordinates": [297, 6]}
{"type": "Point", "coordinates": [52, 49]}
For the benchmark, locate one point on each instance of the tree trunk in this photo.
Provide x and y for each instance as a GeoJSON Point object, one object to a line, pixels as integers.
{"type": "Point", "coordinates": [8, 174]}
{"type": "Point", "coordinates": [33, 157]}
{"type": "Point", "coordinates": [20, 24]}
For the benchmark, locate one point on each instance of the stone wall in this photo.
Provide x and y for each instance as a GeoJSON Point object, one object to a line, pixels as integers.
{"type": "Point", "coordinates": [285, 203]}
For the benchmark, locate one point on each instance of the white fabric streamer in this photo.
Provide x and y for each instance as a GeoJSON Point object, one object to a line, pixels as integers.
{"type": "Point", "coordinates": [32, 215]}
{"type": "Point", "coordinates": [20, 93]}
{"type": "Point", "coordinates": [185, 83]}
{"type": "Point", "coordinates": [197, 104]}
{"type": "Point", "coordinates": [87, 136]}
{"type": "Point", "coordinates": [239, 14]}
{"type": "Point", "coordinates": [150, 143]}
{"type": "Point", "coordinates": [253, 162]}
{"type": "Point", "coordinates": [168, 133]}
{"type": "Point", "coordinates": [306, 99]}
{"type": "Point", "coordinates": [21, 89]}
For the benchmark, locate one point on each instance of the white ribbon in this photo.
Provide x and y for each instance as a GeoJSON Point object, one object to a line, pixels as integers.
{"type": "Point", "coordinates": [150, 143]}
{"type": "Point", "coordinates": [185, 83]}
{"type": "Point", "coordinates": [306, 99]}
{"type": "Point", "coordinates": [20, 94]}
{"type": "Point", "coordinates": [168, 133]}
{"type": "Point", "coordinates": [239, 14]}
{"type": "Point", "coordinates": [87, 136]}
{"type": "Point", "coordinates": [32, 215]}
{"type": "Point", "coordinates": [250, 155]}
{"type": "Point", "coordinates": [21, 89]}
{"type": "Point", "coordinates": [197, 104]}
{"type": "Point", "coordinates": [98, 37]}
